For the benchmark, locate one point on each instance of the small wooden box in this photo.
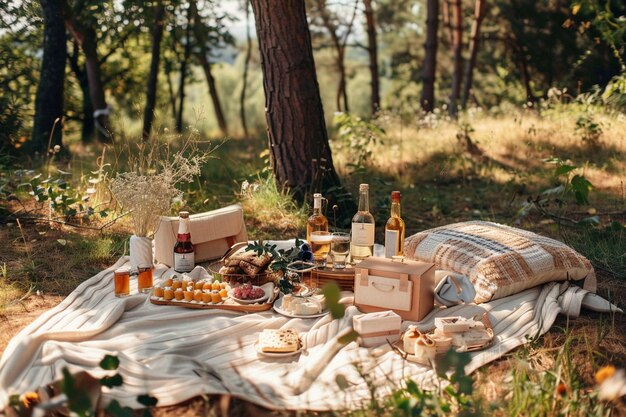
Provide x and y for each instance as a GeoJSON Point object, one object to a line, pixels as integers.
{"type": "Point", "coordinates": [401, 285]}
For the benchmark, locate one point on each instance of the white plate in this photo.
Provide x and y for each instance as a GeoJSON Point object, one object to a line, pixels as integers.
{"type": "Point", "coordinates": [278, 303]}
{"type": "Point", "coordinates": [258, 300]}
{"type": "Point", "coordinates": [276, 354]}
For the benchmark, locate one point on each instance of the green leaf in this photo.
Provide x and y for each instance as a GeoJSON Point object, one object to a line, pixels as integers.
{"type": "Point", "coordinates": [103, 213]}
{"type": "Point", "coordinates": [348, 337]}
{"type": "Point", "coordinates": [332, 293]}
{"type": "Point", "coordinates": [116, 410]}
{"type": "Point", "coordinates": [147, 400]}
{"type": "Point", "coordinates": [581, 187]}
{"type": "Point", "coordinates": [342, 382]}
{"type": "Point", "coordinates": [110, 363]}
{"type": "Point", "coordinates": [563, 169]}
{"type": "Point", "coordinates": [112, 381]}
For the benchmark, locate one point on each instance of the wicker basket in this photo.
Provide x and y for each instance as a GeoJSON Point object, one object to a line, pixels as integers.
{"type": "Point", "coordinates": [258, 279]}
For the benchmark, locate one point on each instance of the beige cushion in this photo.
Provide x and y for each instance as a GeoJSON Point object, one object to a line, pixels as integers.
{"type": "Point", "coordinates": [499, 260]}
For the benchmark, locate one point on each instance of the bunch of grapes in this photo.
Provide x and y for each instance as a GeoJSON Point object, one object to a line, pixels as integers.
{"type": "Point", "coordinates": [248, 292]}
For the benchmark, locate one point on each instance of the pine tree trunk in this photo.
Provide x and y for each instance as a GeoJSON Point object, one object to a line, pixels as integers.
{"type": "Point", "coordinates": [430, 56]}
{"type": "Point", "coordinates": [202, 56]}
{"type": "Point", "coordinates": [151, 92]}
{"type": "Point", "coordinates": [246, 67]}
{"type": "Point", "coordinates": [298, 141]}
{"type": "Point", "coordinates": [49, 99]}
{"type": "Point", "coordinates": [457, 62]}
{"type": "Point", "coordinates": [183, 68]}
{"type": "Point", "coordinates": [215, 99]}
{"type": "Point", "coordinates": [372, 49]}
{"type": "Point", "coordinates": [446, 22]}
{"type": "Point", "coordinates": [85, 36]}
{"type": "Point", "coordinates": [479, 15]}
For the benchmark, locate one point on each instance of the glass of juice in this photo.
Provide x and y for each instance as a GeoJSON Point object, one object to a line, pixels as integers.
{"type": "Point", "coordinates": [122, 282]}
{"type": "Point", "coordinates": [144, 278]}
{"type": "Point", "coordinates": [320, 246]}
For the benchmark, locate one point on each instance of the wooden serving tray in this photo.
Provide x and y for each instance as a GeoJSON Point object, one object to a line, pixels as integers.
{"type": "Point", "coordinates": [228, 304]}
{"type": "Point", "coordinates": [343, 277]}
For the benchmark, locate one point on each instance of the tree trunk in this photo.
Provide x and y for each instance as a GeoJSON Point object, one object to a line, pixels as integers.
{"type": "Point", "coordinates": [85, 36]}
{"type": "Point", "coordinates": [88, 127]}
{"type": "Point", "coordinates": [372, 49]}
{"type": "Point", "coordinates": [183, 68]}
{"type": "Point", "coordinates": [48, 121]}
{"type": "Point", "coordinates": [298, 141]}
{"type": "Point", "coordinates": [457, 46]}
{"type": "Point", "coordinates": [430, 56]}
{"type": "Point", "coordinates": [217, 106]}
{"type": "Point", "coordinates": [151, 93]}
{"type": "Point", "coordinates": [446, 22]}
{"type": "Point", "coordinates": [246, 66]}
{"type": "Point", "coordinates": [167, 68]}
{"type": "Point", "coordinates": [202, 55]}
{"type": "Point", "coordinates": [479, 15]}
{"type": "Point", "coordinates": [342, 93]}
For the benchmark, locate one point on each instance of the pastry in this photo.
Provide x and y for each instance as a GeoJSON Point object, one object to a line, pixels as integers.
{"type": "Point", "coordinates": [215, 296]}
{"type": "Point", "coordinates": [261, 261]}
{"type": "Point", "coordinates": [179, 294]}
{"type": "Point", "coordinates": [249, 269]}
{"type": "Point", "coordinates": [216, 285]}
{"type": "Point", "coordinates": [188, 295]}
{"type": "Point", "coordinates": [206, 297]}
{"type": "Point", "coordinates": [168, 293]}
{"type": "Point", "coordinates": [168, 282]}
{"type": "Point", "coordinates": [224, 293]}
{"type": "Point", "coordinates": [278, 341]}
{"type": "Point", "coordinates": [158, 291]}
{"type": "Point", "coordinates": [198, 285]}
{"type": "Point", "coordinates": [176, 284]}
{"type": "Point", "coordinates": [207, 286]}
{"type": "Point", "coordinates": [197, 295]}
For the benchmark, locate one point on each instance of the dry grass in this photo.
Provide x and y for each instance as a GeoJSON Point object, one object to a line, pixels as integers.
{"type": "Point", "coordinates": [441, 183]}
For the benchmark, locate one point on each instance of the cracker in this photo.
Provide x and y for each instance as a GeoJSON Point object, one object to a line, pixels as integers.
{"type": "Point", "coordinates": [279, 341]}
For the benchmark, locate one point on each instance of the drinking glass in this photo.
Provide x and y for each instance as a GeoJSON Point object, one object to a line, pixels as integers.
{"type": "Point", "coordinates": [320, 246]}
{"type": "Point", "coordinates": [340, 249]}
{"type": "Point", "coordinates": [122, 282]}
{"type": "Point", "coordinates": [144, 278]}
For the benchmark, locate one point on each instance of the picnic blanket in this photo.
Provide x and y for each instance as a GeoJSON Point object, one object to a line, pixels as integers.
{"type": "Point", "coordinates": [175, 353]}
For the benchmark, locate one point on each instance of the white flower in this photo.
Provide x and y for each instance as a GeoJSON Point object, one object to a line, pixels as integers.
{"type": "Point", "coordinates": [613, 387]}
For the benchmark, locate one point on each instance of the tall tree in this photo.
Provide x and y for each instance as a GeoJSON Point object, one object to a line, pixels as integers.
{"type": "Point", "coordinates": [339, 38]}
{"type": "Point", "coordinates": [183, 66]}
{"type": "Point", "coordinates": [49, 98]}
{"type": "Point", "coordinates": [479, 15]}
{"type": "Point", "coordinates": [457, 57]}
{"type": "Point", "coordinates": [246, 66]}
{"type": "Point", "coordinates": [430, 57]}
{"type": "Point", "coordinates": [372, 49]}
{"type": "Point", "coordinates": [298, 141]}
{"type": "Point", "coordinates": [88, 128]}
{"type": "Point", "coordinates": [201, 34]}
{"type": "Point", "coordinates": [85, 36]}
{"type": "Point", "coordinates": [151, 91]}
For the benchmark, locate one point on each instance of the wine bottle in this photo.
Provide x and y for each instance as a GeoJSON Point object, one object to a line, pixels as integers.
{"type": "Point", "coordinates": [317, 221]}
{"type": "Point", "coordinates": [184, 255]}
{"type": "Point", "coordinates": [362, 240]}
{"type": "Point", "coordinates": [394, 229]}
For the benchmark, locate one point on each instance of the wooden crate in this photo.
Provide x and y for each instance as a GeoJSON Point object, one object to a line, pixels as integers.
{"type": "Point", "coordinates": [343, 277]}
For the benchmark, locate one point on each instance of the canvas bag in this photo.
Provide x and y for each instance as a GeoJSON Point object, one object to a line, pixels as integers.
{"type": "Point", "coordinates": [403, 286]}
{"type": "Point", "coordinates": [212, 234]}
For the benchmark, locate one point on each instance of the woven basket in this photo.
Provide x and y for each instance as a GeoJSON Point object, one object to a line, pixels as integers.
{"type": "Point", "coordinates": [344, 278]}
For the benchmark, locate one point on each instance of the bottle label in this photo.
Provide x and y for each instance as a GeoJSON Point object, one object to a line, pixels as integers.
{"type": "Point", "coordinates": [363, 234]}
{"type": "Point", "coordinates": [391, 243]}
{"type": "Point", "coordinates": [184, 262]}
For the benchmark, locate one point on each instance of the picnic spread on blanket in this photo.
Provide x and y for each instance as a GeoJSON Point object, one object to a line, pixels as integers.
{"type": "Point", "coordinates": [253, 321]}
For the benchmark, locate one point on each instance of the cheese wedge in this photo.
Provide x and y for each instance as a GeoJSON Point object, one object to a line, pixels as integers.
{"type": "Point", "coordinates": [278, 341]}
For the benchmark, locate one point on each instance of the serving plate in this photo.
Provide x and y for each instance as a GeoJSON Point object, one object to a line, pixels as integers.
{"type": "Point", "coordinates": [279, 310]}
{"type": "Point", "coordinates": [242, 301]}
{"type": "Point", "coordinates": [277, 354]}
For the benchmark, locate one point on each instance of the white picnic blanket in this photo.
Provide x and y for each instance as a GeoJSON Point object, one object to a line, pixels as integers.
{"type": "Point", "coordinates": [175, 353]}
